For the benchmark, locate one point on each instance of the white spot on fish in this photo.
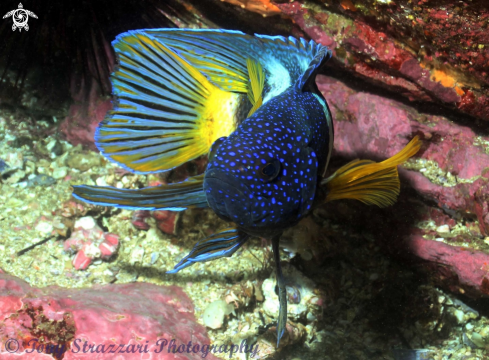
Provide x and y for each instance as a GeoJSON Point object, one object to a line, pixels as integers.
{"type": "Point", "coordinates": [278, 79]}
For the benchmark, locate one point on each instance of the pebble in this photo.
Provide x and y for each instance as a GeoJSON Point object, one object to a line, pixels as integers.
{"type": "Point", "coordinates": [443, 229]}
{"type": "Point", "coordinates": [83, 162]}
{"type": "Point", "coordinates": [215, 312]}
{"type": "Point", "coordinates": [478, 340]}
{"type": "Point", "coordinates": [44, 227]}
{"type": "Point", "coordinates": [136, 255]}
{"type": "Point", "coordinates": [60, 173]}
{"type": "Point", "coordinates": [15, 160]}
{"type": "Point", "coordinates": [41, 180]}
{"type": "Point", "coordinates": [101, 181]}
{"type": "Point", "coordinates": [154, 257]}
{"type": "Point", "coordinates": [459, 314]}
{"type": "Point", "coordinates": [86, 223]}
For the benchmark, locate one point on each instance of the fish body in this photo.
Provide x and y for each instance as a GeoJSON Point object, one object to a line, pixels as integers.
{"type": "Point", "coordinates": [251, 103]}
{"type": "Point", "coordinates": [264, 175]}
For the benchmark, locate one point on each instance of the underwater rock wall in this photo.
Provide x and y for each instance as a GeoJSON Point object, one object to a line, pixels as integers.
{"type": "Point", "coordinates": [424, 50]}
{"type": "Point", "coordinates": [428, 53]}
{"type": "Point", "coordinates": [449, 171]}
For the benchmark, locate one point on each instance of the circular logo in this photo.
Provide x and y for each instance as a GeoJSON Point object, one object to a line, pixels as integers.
{"type": "Point", "coordinates": [20, 17]}
{"type": "Point", "coordinates": [11, 345]}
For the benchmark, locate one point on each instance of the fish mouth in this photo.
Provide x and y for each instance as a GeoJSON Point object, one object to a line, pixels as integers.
{"type": "Point", "coordinates": [228, 196]}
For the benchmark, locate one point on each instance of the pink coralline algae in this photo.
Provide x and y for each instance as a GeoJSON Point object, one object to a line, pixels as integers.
{"type": "Point", "coordinates": [426, 51]}
{"type": "Point", "coordinates": [84, 116]}
{"type": "Point", "coordinates": [466, 267]}
{"type": "Point", "coordinates": [367, 124]}
{"type": "Point", "coordinates": [129, 321]}
{"type": "Point", "coordinates": [90, 242]}
{"type": "Point", "coordinates": [139, 219]}
{"type": "Point", "coordinates": [370, 126]}
{"type": "Point", "coordinates": [166, 221]}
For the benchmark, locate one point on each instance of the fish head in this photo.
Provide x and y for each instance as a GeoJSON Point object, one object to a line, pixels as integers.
{"type": "Point", "coordinates": [262, 184]}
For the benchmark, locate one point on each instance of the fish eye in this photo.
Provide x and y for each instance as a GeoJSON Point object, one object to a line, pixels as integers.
{"type": "Point", "coordinates": [270, 170]}
{"type": "Point", "coordinates": [215, 146]}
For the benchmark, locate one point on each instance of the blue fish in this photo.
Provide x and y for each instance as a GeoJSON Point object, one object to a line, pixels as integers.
{"type": "Point", "coordinates": [251, 103]}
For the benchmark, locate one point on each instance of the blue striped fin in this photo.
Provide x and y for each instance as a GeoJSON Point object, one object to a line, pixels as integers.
{"type": "Point", "coordinates": [222, 244]}
{"type": "Point", "coordinates": [162, 108]}
{"type": "Point", "coordinates": [307, 81]}
{"type": "Point", "coordinates": [211, 51]}
{"type": "Point", "coordinates": [175, 197]}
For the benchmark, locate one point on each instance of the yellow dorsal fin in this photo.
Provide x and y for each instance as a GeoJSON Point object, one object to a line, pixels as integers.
{"type": "Point", "coordinates": [370, 182]}
{"type": "Point", "coordinates": [255, 86]}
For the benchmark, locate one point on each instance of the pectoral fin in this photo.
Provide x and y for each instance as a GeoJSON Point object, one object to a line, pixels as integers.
{"type": "Point", "coordinates": [175, 197]}
{"type": "Point", "coordinates": [370, 182]}
{"type": "Point", "coordinates": [222, 244]}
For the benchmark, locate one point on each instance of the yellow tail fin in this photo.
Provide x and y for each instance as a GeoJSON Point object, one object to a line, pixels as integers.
{"type": "Point", "coordinates": [370, 182]}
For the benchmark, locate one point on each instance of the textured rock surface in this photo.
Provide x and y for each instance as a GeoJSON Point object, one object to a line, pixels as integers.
{"type": "Point", "coordinates": [427, 51]}
{"type": "Point", "coordinates": [137, 313]}
{"type": "Point", "coordinates": [84, 116]}
{"type": "Point", "coordinates": [263, 7]}
{"type": "Point", "coordinates": [447, 223]}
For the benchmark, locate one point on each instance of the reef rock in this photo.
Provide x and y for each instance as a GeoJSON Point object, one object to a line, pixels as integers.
{"type": "Point", "coordinates": [428, 51]}
{"type": "Point", "coordinates": [446, 223]}
{"type": "Point", "coordinates": [84, 116]}
{"type": "Point", "coordinates": [301, 296]}
{"type": "Point", "coordinates": [129, 321]}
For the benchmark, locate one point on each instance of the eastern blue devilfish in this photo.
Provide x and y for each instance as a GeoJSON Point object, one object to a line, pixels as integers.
{"type": "Point", "coordinates": [252, 104]}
